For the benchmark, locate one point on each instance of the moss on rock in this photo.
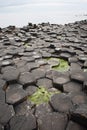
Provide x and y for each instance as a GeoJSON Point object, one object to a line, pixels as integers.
{"type": "Point", "coordinates": [41, 96]}
{"type": "Point", "coordinates": [61, 66]}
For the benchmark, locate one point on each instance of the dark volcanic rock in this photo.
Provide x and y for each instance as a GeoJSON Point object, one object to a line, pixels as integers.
{"type": "Point", "coordinates": [38, 73]}
{"type": "Point", "coordinates": [74, 126]}
{"type": "Point", "coordinates": [6, 113]}
{"type": "Point", "coordinates": [6, 62]}
{"type": "Point", "coordinates": [2, 84]}
{"type": "Point", "coordinates": [79, 76]}
{"type": "Point", "coordinates": [11, 75]}
{"type": "Point", "coordinates": [72, 87]}
{"type": "Point", "coordinates": [30, 89]}
{"type": "Point", "coordinates": [26, 79]}
{"type": "Point", "coordinates": [52, 121]}
{"type": "Point", "coordinates": [78, 98]}
{"type": "Point", "coordinates": [32, 65]}
{"type": "Point", "coordinates": [79, 114]}
{"type": "Point", "coordinates": [42, 109]}
{"type": "Point", "coordinates": [44, 82]}
{"type": "Point", "coordinates": [2, 96]}
{"type": "Point", "coordinates": [85, 85]}
{"type": "Point", "coordinates": [61, 103]}
{"type": "Point", "coordinates": [15, 95]}
{"type": "Point", "coordinates": [60, 81]}
{"type": "Point", "coordinates": [22, 108]}
{"type": "Point", "coordinates": [1, 127]}
{"type": "Point", "coordinates": [65, 55]}
{"type": "Point", "coordinates": [73, 59]}
{"type": "Point", "coordinates": [23, 122]}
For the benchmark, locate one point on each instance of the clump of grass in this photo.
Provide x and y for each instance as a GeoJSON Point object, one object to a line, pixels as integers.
{"type": "Point", "coordinates": [63, 66]}
{"type": "Point", "coordinates": [41, 96]}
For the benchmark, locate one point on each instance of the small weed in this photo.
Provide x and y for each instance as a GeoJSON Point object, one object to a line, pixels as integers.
{"type": "Point", "coordinates": [41, 96]}
{"type": "Point", "coordinates": [62, 64]}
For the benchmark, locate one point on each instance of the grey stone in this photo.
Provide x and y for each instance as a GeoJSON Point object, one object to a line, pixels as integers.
{"type": "Point", "coordinates": [46, 55]}
{"type": "Point", "coordinates": [1, 127]}
{"type": "Point", "coordinates": [74, 126]}
{"type": "Point", "coordinates": [32, 65]}
{"type": "Point", "coordinates": [6, 113]}
{"type": "Point", "coordinates": [22, 108]}
{"type": "Point", "coordinates": [78, 97]}
{"type": "Point", "coordinates": [23, 122]}
{"type": "Point", "coordinates": [61, 103]}
{"type": "Point", "coordinates": [52, 121]}
{"type": "Point", "coordinates": [15, 95]}
{"type": "Point", "coordinates": [85, 64]}
{"type": "Point", "coordinates": [82, 57]}
{"type": "Point", "coordinates": [79, 76]}
{"type": "Point", "coordinates": [85, 85]}
{"type": "Point", "coordinates": [38, 73]}
{"type": "Point", "coordinates": [65, 55]}
{"type": "Point", "coordinates": [16, 85]}
{"type": "Point", "coordinates": [3, 84]}
{"type": "Point", "coordinates": [2, 96]}
{"type": "Point", "coordinates": [20, 63]}
{"type": "Point", "coordinates": [37, 56]}
{"type": "Point", "coordinates": [75, 66]}
{"type": "Point", "coordinates": [73, 60]}
{"type": "Point", "coordinates": [60, 81]}
{"type": "Point", "coordinates": [42, 109]}
{"type": "Point", "coordinates": [8, 57]}
{"type": "Point", "coordinates": [11, 75]}
{"type": "Point", "coordinates": [72, 87]}
{"type": "Point", "coordinates": [44, 82]}
{"type": "Point", "coordinates": [41, 62]}
{"type": "Point", "coordinates": [6, 62]}
{"type": "Point", "coordinates": [23, 69]}
{"type": "Point", "coordinates": [26, 79]}
{"type": "Point", "coordinates": [28, 59]}
{"type": "Point", "coordinates": [31, 89]}
{"type": "Point", "coordinates": [79, 114]}
{"type": "Point", "coordinates": [53, 62]}
{"type": "Point", "coordinates": [45, 68]}
{"type": "Point", "coordinates": [6, 68]}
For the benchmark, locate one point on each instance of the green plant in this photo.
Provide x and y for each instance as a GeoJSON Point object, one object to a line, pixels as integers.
{"type": "Point", "coordinates": [62, 64]}
{"type": "Point", "coordinates": [41, 96]}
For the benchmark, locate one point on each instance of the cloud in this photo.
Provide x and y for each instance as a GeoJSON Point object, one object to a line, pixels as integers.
{"type": "Point", "coordinates": [4, 3]}
{"type": "Point", "coordinates": [31, 2]}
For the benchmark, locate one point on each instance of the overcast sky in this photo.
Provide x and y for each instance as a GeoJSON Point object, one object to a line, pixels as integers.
{"type": "Point", "coordinates": [20, 12]}
{"type": "Point", "coordinates": [19, 2]}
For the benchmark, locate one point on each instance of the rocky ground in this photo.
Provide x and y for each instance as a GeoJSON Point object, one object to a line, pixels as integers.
{"type": "Point", "coordinates": [23, 68]}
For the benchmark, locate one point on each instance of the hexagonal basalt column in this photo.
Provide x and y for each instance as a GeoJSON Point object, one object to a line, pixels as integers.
{"type": "Point", "coordinates": [11, 75]}
{"type": "Point", "coordinates": [61, 103]}
{"type": "Point", "coordinates": [26, 79]}
{"type": "Point", "coordinates": [23, 122]}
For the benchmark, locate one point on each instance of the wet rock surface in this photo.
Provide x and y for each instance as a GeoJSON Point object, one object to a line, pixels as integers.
{"type": "Point", "coordinates": [29, 60]}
